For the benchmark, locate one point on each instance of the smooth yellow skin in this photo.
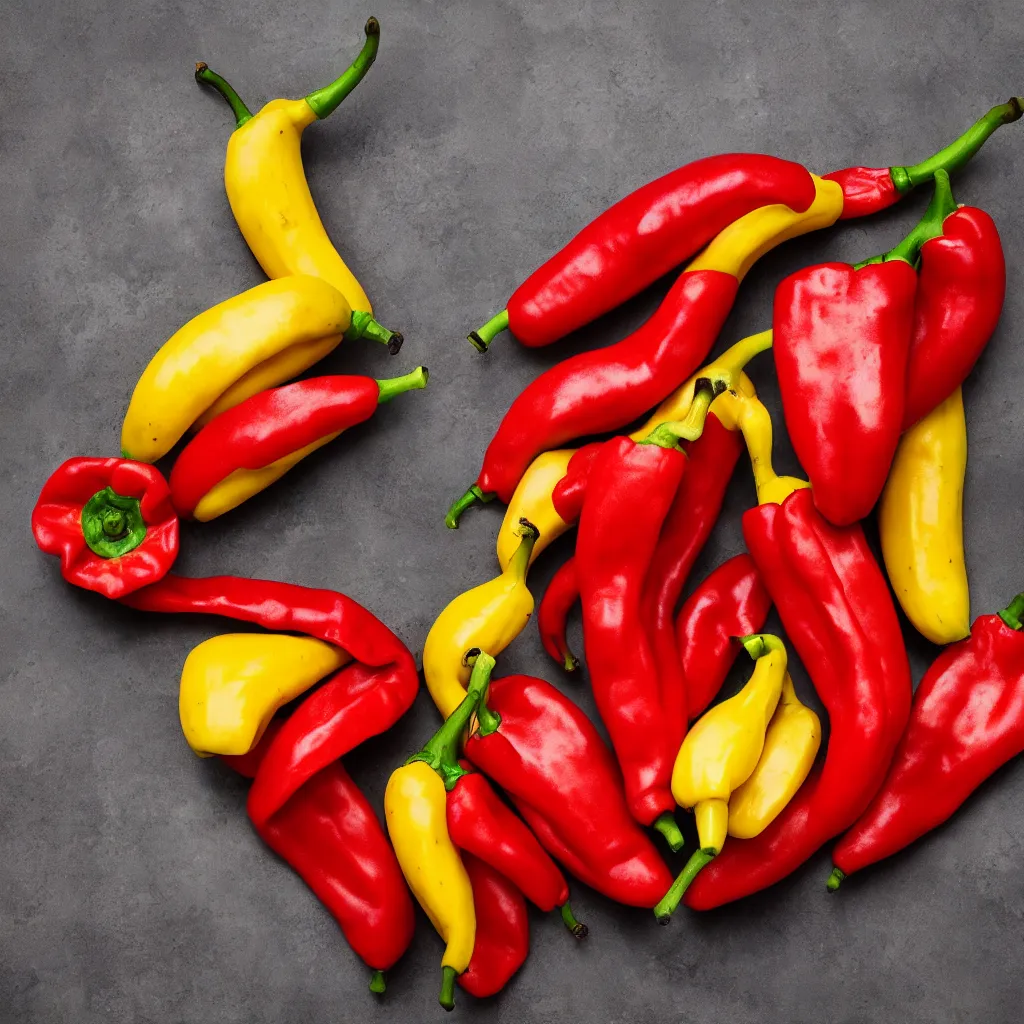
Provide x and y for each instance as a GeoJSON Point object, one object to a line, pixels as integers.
{"type": "Point", "coordinates": [266, 335]}
{"type": "Point", "coordinates": [231, 686]}
{"type": "Point", "coordinates": [921, 524]}
{"type": "Point", "coordinates": [736, 249]}
{"type": "Point", "coordinates": [242, 484]}
{"type": "Point", "coordinates": [722, 749]}
{"type": "Point", "coordinates": [490, 617]}
{"type": "Point", "coordinates": [790, 747]}
{"type": "Point", "coordinates": [414, 809]}
{"type": "Point", "coordinates": [269, 196]}
{"type": "Point", "coordinates": [532, 501]}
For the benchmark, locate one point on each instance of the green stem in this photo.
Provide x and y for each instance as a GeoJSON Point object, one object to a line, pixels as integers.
{"type": "Point", "coordinates": [1013, 612]}
{"type": "Point", "coordinates": [665, 825]}
{"type": "Point", "coordinates": [378, 982]}
{"type": "Point", "coordinates": [487, 720]}
{"type": "Point", "coordinates": [363, 325]}
{"type": "Point", "coordinates": [757, 645]}
{"type": "Point", "coordinates": [667, 904]}
{"type": "Point", "coordinates": [957, 153]}
{"type": "Point", "coordinates": [326, 100]}
{"type": "Point", "coordinates": [471, 497]}
{"type": "Point", "coordinates": [482, 337]}
{"type": "Point", "coordinates": [411, 381]}
{"type": "Point", "coordinates": [447, 996]}
{"type": "Point", "coordinates": [578, 929]}
{"type": "Point", "coordinates": [204, 76]}
{"type": "Point", "coordinates": [519, 563]}
{"type": "Point", "coordinates": [671, 432]}
{"type": "Point", "coordinates": [835, 879]}
{"type": "Point", "coordinates": [112, 524]}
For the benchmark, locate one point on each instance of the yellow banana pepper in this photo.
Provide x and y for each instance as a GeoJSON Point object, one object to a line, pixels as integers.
{"type": "Point", "coordinates": [415, 812]}
{"type": "Point", "coordinates": [489, 616]}
{"type": "Point", "coordinates": [790, 747]}
{"type": "Point", "coordinates": [920, 521]}
{"type": "Point", "coordinates": [719, 754]}
{"type": "Point", "coordinates": [232, 685]}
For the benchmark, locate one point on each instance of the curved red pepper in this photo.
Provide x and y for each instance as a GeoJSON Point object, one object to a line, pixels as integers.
{"type": "Point", "coordinates": [959, 298]}
{"type": "Point", "coordinates": [567, 494]}
{"type": "Point", "coordinates": [641, 238]}
{"type": "Point", "coordinates": [729, 603]}
{"type": "Point", "coordinates": [838, 614]}
{"type": "Point", "coordinates": [551, 761]}
{"type": "Point", "coordinates": [331, 837]}
{"type": "Point", "coordinates": [967, 720]}
{"type": "Point", "coordinates": [866, 190]}
{"type": "Point", "coordinates": [553, 612]}
{"type": "Point", "coordinates": [128, 507]}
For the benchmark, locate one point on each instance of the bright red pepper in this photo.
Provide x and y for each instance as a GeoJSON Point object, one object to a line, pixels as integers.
{"type": "Point", "coordinates": [730, 603]}
{"type": "Point", "coordinates": [331, 837]}
{"type": "Point", "coordinates": [562, 593]}
{"type": "Point", "coordinates": [960, 294]}
{"type": "Point", "coordinates": [567, 496]}
{"type": "Point", "coordinates": [282, 423]}
{"type": "Point", "coordinates": [967, 720]}
{"type": "Point", "coordinates": [110, 521]}
{"type": "Point", "coordinates": [547, 756]}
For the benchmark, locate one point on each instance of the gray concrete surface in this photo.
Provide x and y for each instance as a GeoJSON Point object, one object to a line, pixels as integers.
{"type": "Point", "coordinates": [131, 885]}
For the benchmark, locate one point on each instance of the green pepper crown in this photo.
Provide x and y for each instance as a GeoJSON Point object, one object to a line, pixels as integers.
{"type": "Point", "coordinates": [112, 524]}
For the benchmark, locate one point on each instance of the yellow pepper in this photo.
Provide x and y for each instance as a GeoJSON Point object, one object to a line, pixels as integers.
{"type": "Point", "coordinates": [415, 811]}
{"type": "Point", "coordinates": [489, 616]}
{"type": "Point", "coordinates": [232, 685]}
{"type": "Point", "coordinates": [920, 521]}
{"type": "Point", "coordinates": [719, 754]}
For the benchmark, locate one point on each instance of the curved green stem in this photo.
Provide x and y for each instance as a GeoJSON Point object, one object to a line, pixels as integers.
{"type": "Point", "coordinates": [363, 325]}
{"type": "Point", "coordinates": [487, 720]}
{"type": "Point", "coordinates": [1013, 612]}
{"type": "Point", "coordinates": [670, 901]}
{"type": "Point", "coordinates": [578, 929]}
{"type": "Point", "coordinates": [204, 76]}
{"type": "Point", "coordinates": [326, 100]}
{"type": "Point", "coordinates": [959, 151]}
{"type": "Point", "coordinates": [665, 825]}
{"type": "Point", "coordinates": [411, 381]}
{"type": "Point", "coordinates": [378, 983]}
{"type": "Point", "coordinates": [671, 432]}
{"type": "Point", "coordinates": [471, 497]}
{"type": "Point", "coordinates": [757, 645]}
{"type": "Point", "coordinates": [447, 996]}
{"type": "Point", "coordinates": [482, 337]}
{"type": "Point", "coordinates": [519, 563]}
{"type": "Point", "coordinates": [835, 879]}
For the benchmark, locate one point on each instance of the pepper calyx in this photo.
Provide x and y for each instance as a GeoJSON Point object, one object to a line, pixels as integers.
{"type": "Point", "coordinates": [112, 524]}
{"type": "Point", "coordinates": [1013, 613]}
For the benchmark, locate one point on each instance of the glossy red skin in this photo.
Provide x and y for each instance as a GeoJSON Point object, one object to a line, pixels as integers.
{"type": "Point", "coordinates": [562, 777]}
{"type": "Point", "coordinates": [959, 298]}
{"type": "Point", "coordinates": [481, 823]}
{"type": "Point", "coordinates": [567, 494]}
{"type": "Point", "coordinates": [690, 520]}
{"type": "Point", "coordinates": [502, 930]}
{"type": "Point", "coordinates": [866, 190]}
{"type": "Point", "coordinates": [601, 390]}
{"type": "Point", "coordinates": [967, 720]}
{"type": "Point", "coordinates": [730, 603]}
{"type": "Point", "coordinates": [838, 615]}
{"type": "Point", "coordinates": [57, 524]}
{"type": "Point", "coordinates": [329, 834]}
{"type": "Point", "coordinates": [841, 342]}
{"type": "Point", "coordinates": [647, 234]}
{"type": "Point", "coordinates": [553, 611]}
{"type": "Point", "coordinates": [267, 427]}
{"type": "Point", "coordinates": [630, 490]}
{"type": "Point", "coordinates": [362, 700]}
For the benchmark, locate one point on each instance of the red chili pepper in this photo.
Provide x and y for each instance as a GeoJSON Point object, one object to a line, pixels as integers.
{"type": "Point", "coordinates": [547, 756]}
{"type": "Point", "coordinates": [567, 495]}
{"type": "Point", "coordinates": [967, 721]}
{"type": "Point", "coordinates": [284, 423]}
{"type": "Point", "coordinates": [868, 190]}
{"type": "Point", "coordinates": [960, 294]}
{"type": "Point", "coordinates": [331, 837]}
{"type": "Point", "coordinates": [842, 339]}
{"type": "Point", "coordinates": [110, 521]}
{"type": "Point", "coordinates": [641, 238]}
{"type": "Point", "coordinates": [731, 602]}
{"type": "Point", "coordinates": [553, 612]}
{"type": "Point", "coordinates": [502, 930]}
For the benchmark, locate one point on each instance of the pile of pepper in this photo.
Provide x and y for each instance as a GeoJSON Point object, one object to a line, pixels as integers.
{"type": "Point", "coordinates": [517, 785]}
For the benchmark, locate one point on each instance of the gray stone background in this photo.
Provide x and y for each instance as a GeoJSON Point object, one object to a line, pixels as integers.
{"type": "Point", "coordinates": [131, 885]}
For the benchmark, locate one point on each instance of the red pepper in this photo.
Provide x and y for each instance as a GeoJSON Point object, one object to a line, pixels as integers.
{"type": "Point", "coordinates": [567, 495]}
{"type": "Point", "coordinates": [967, 721]}
{"type": "Point", "coordinates": [110, 521]}
{"type": "Point", "coordinates": [502, 930]}
{"type": "Point", "coordinates": [641, 238]}
{"type": "Point", "coordinates": [868, 190]}
{"type": "Point", "coordinates": [731, 602]}
{"type": "Point", "coordinates": [553, 612]}
{"type": "Point", "coordinates": [842, 339]}
{"type": "Point", "coordinates": [273, 425]}
{"type": "Point", "coordinates": [331, 837]}
{"type": "Point", "coordinates": [959, 298]}
{"type": "Point", "coordinates": [547, 756]}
